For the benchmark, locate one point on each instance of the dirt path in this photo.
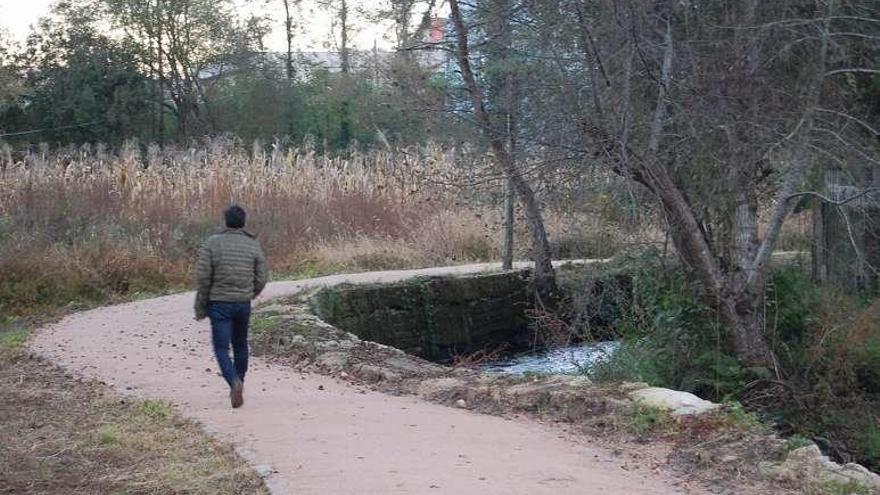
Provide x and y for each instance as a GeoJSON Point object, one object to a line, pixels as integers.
{"type": "Point", "coordinates": [321, 436]}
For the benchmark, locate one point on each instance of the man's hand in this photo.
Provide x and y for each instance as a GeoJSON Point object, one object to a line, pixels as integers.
{"type": "Point", "coordinates": [201, 311]}
{"type": "Point", "coordinates": [204, 276]}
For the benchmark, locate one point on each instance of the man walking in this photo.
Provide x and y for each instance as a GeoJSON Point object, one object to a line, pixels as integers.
{"type": "Point", "coordinates": [231, 271]}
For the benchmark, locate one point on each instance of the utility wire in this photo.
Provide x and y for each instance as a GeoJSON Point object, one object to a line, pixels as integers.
{"type": "Point", "coordinates": [37, 131]}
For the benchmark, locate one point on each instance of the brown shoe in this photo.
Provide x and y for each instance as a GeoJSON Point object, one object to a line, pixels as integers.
{"type": "Point", "coordinates": [236, 395]}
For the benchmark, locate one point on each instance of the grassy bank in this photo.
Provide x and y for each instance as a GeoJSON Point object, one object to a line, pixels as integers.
{"type": "Point", "coordinates": [61, 434]}
{"type": "Point", "coordinates": [826, 387]}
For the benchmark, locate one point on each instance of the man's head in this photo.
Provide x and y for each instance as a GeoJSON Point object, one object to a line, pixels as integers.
{"type": "Point", "coordinates": [235, 217]}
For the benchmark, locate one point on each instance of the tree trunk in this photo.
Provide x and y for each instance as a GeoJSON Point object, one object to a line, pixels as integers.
{"type": "Point", "coordinates": [161, 75]}
{"type": "Point", "coordinates": [743, 318]}
{"type": "Point", "coordinates": [509, 199]}
{"type": "Point", "coordinates": [345, 63]}
{"type": "Point", "coordinates": [740, 311]}
{"type": "Point", "coordinates": [288, 31]}
{"type": "Point", "coordinates": [746, 326]}
{"type": "Point", "coordinates": [187, 115]}
{"type": "Point", "coordinates": [509, 193]}
{"type": "Point", "coordinates": [819, 246]}
{"type": "Point", "coordinates": [345, 66]}
{"type": "Point", "coordinates": [545, 277]}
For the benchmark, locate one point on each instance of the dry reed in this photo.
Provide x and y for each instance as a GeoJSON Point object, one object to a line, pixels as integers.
{"type": "Point", "coordinates": [88, 224]}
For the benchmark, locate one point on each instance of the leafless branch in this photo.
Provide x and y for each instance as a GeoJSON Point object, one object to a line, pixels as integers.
{"type": "Point", "coordinates": [663, 91]}
{"type": "Point", "coordinates": [849, 146]}
{"type": "Point", "coordinates": [852, 70]}
{"type": "Point", "coordinates": [800, 163]}
{"type": "Point", "coordinates": [830, 201]}
{"type": "Point", "coordinates": [804, 21]}
{"type": "Point", "coordinates": [852, 240]}
{"type": "Point", "coordinates": [847, 116]}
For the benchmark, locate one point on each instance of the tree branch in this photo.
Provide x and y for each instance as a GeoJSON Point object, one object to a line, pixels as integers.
{"type": "Point", "coordinates": [830, 201]}
{"type": "Point", "coordinates": [798, 170]}
{"type": "Point", "coordinates": [847, 116]}
{"type": "Point", "coordinates": [852, 70]}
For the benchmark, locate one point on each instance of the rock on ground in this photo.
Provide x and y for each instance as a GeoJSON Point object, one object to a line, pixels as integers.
{"type": "Point", "coordinates": [808, 463]}
{"type": "Point", "coordinates": [676, 402]}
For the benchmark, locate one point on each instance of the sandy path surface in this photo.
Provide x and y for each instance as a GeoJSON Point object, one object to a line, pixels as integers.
{"type": "Point", "coordinates": [322, 436]}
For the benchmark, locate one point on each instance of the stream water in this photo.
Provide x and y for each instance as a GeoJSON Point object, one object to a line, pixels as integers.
{"type": "Point", "coordinates": [561, 360]}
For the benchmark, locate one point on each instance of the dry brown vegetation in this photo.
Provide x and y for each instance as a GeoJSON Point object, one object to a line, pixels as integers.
{"type": "Point", "coordinates": [70, 436]}
{"type": "Point", "coordinates": [84, 225]}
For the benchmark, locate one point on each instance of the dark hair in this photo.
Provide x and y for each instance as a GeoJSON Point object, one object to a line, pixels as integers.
{"type": "Point", "coordinates": [235, 217]}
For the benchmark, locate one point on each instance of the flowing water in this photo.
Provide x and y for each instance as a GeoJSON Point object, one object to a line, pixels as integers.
{"type": "Point", "coordinates": [561, 360]}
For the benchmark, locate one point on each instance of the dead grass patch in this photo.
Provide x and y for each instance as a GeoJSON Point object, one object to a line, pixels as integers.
{"type": "Point", "coordinates": [68, 436]}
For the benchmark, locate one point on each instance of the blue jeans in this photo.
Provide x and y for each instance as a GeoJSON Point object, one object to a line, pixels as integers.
{"type": "Point", "coordinates": [229, 324]}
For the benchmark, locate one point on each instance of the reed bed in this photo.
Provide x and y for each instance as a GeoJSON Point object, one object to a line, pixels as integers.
{"type": "Point", "coordinates": [85, 225]}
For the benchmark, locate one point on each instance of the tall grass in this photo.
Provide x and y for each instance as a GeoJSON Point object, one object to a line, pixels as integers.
{"type": "Point", "coordinates": [85, 224]}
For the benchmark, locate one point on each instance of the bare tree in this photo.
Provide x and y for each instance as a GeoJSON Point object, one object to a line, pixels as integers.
{"type": "Point", "coordinates": [341, 11]}
{"type": "Point", "coordinates": [288, 34]}
{"type": "Point", "coordinates": [185, 44]}
{"type": "Point", "coordinates": [408, 34]}
{"type": "Point", "coordinates": [714, 111]}
{"type": "Point", "coordinates": [545, 279]}
{"type": "Point", "coordinates": [344, 53]}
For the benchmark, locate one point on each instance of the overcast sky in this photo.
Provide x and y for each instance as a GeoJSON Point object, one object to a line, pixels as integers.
{"type": "Point", "coordinates": [17, 15]}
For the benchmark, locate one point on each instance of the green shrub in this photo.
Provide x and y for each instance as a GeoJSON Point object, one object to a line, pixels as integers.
{"type": "Point", "coordinates": [792, 301]}
{"type": "Point", "coordinates": [13, 339]}
{"type": "Point", "coordinates": [633, 361]}
{"type": "Point", "coordinates": [108, 434]}
{"type": "Point", "coordinates": [670, 338]}
{"type": "Point", "coordinates": [866, 365]}
{"type": "Point", "coordinates": [795, 442]}
{"type": "Point", "coordinates": [742, 419]}
{"type": "Point", "coordinates": [155, 409]}
{"type": "Point", "coordinates": [646, 419]}
{"type": "Point", "coordinates": [870, 445]}
{"type": "Point", "coordinates": [843, 488]}
{"type": "Point", "coordinates": [827, 385]}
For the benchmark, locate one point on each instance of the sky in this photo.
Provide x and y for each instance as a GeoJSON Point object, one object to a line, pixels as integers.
{"type": "Point", "coordinates": [16, 16]}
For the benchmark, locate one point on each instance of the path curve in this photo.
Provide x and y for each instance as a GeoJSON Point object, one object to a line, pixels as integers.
{"type": "Point", "coordinates": [322, 436]}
